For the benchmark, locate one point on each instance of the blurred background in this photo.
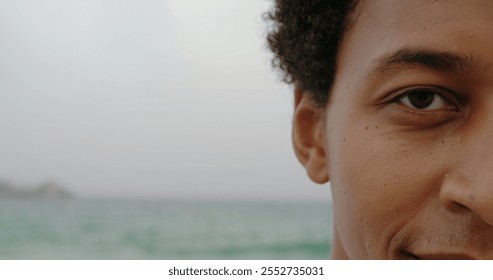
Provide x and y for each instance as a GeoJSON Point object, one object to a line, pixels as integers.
{"type": "Point", "coordinates": [152, 129]}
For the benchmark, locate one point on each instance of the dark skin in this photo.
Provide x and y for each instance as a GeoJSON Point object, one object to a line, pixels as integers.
{"type": "Point", "coordinates": [406, 137]}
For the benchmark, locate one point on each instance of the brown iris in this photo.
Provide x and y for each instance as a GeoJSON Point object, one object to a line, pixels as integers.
{"type": "Point", "coordinates": [421, 99]}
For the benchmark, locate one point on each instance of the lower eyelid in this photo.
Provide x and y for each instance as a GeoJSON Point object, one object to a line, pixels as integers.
{"type": "Point", "coordinates": [422, 114]}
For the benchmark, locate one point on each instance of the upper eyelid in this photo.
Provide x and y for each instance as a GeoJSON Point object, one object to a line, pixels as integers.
{"type": "Point", "coordinates": [412, 89]}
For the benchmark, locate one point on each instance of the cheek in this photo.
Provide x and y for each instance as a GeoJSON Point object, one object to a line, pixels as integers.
{"type": "Point", "coordinates": [380, 181]}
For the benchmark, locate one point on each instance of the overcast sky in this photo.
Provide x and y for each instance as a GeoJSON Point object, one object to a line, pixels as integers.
{"type": "Point", "coordinates": [153, 98]}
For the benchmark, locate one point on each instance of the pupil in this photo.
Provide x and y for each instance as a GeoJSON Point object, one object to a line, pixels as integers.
{"type": "Point", "coordinates": [421, 100]}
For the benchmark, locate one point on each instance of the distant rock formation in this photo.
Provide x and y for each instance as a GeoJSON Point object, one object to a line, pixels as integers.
{"type": "Point", "coordinates": [44, 190]}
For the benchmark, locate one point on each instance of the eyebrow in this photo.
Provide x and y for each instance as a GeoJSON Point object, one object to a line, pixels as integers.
{"type": "Point", "coordinates": [433, 60]}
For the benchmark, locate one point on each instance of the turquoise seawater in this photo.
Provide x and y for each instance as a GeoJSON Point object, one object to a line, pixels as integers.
{"type": "Point", "coordinates": [132, 229]}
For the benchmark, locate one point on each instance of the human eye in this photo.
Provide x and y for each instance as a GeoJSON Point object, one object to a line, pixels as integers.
{"type": "Point", "coordinates": [424, 99]}
{"type": "Point", "coordinates": [424, 106]}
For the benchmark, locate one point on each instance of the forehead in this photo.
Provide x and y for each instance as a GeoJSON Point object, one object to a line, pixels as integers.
{"type": "Point", "coordinates": [383, 26]}
{"type": "Point", "coordinates": [420, 13]}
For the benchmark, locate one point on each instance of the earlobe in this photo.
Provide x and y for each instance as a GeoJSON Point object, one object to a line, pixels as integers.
{"type": "Point", "coordinates": [309, 137]}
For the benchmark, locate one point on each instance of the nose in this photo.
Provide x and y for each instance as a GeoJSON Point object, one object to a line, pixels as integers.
{"type": "Point", "coordinates": [460, 192]}
{"type": "Point", "coordinates": [468, 184]}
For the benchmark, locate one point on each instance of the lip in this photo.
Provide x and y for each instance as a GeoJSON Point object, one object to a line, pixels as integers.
{"type": "Point", "coordinates": [439, 256]}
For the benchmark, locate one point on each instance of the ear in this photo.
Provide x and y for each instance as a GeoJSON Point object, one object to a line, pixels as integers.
{"type": "Point", "coordinates": [309, 137]}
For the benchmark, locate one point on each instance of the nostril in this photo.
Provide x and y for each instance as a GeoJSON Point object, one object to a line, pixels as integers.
{"type": "Point", "coordinates": [458, 207]}
{"type": "Point", "coordinates": [455, 193]}
{"type": "Point", "coordinates": [453, 202]}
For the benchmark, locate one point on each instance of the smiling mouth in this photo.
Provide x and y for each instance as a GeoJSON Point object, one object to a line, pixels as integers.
{"type": "Point", "coordinates": [437, 256]}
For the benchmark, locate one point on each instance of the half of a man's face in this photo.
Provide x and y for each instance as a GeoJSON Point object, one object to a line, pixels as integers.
{"type": "Point", "coordinates": [409, 132]}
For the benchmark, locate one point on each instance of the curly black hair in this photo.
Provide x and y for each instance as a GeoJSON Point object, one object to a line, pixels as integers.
{"type": "Point", "coordinates": [304, 37]}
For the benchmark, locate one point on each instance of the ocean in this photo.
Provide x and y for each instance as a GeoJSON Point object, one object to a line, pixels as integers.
{"type": "Point", "coordinates": [152, 229]}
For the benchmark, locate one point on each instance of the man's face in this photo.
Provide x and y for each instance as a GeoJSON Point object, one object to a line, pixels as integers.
{"type": "Point", "coordinates": [409, 132]}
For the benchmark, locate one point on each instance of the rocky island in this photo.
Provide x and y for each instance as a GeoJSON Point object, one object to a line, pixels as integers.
{"type": "Point", "coordinates": [44, 190]}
